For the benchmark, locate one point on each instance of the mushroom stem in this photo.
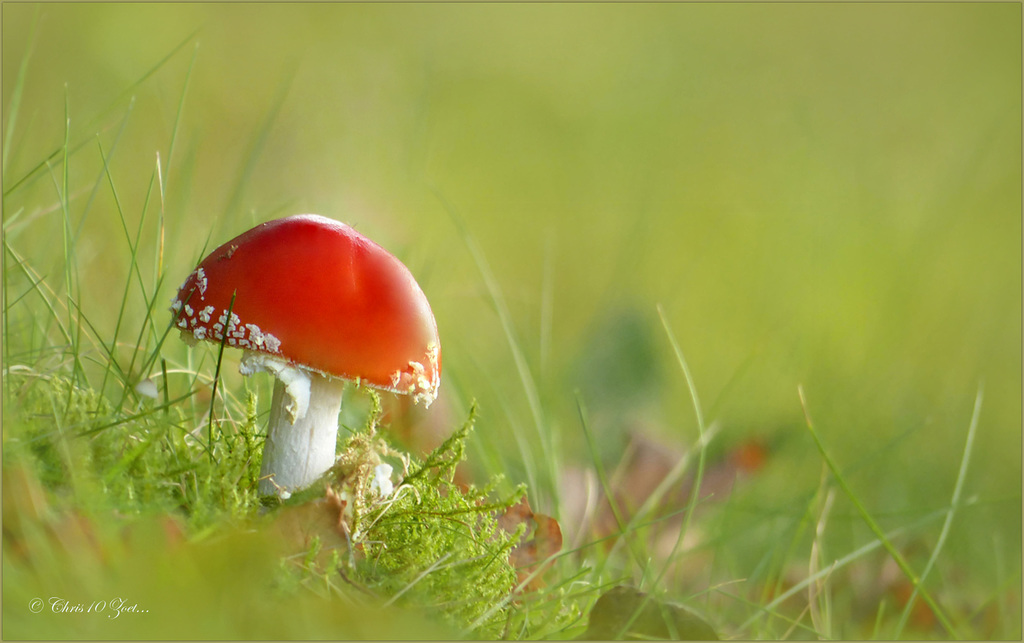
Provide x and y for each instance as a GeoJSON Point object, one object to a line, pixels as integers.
{"type": "Point", "coordinates": [300, 447]}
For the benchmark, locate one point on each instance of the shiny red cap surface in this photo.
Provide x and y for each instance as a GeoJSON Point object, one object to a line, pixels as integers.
{"type": "Point", "coordinates": [317, 293]}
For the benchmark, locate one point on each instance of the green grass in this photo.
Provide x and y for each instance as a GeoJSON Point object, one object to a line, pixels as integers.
{"type": "Point", "coordinates": [594, 280]}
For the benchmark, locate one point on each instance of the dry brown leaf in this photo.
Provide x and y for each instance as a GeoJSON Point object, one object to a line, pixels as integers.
{"type": "Point", "coordinates": [540, 542]}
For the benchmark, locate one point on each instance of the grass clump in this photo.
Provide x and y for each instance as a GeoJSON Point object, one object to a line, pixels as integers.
{"type": "Point", "coordinates": [144, 461]}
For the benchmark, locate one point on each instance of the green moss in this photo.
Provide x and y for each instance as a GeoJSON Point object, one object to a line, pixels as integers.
{"type": "Point", "coordinates": [430, 543]}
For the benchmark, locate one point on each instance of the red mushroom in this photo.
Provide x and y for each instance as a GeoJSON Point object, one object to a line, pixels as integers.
{"type": "Point", "coordinates": [315, 303]}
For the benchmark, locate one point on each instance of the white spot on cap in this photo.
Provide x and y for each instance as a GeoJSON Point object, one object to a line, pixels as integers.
{"type": "Point", "coordinates": [201, 282]}
{"type": "Point", "coordinates": [255, 335]}
{"type": "Point", "coordinates": [237, 333]}
{"type": "Point", "coordinates": [421, 388]}
{"type": "Point", "coordinates": [272, 343]}
{"type": "Point", "coordinates": [414, 381]}
{"type": "Point", "coordinates": [417, 375]}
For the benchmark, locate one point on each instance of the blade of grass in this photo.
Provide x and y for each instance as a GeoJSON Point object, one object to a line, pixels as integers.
{"type": "Point", "coordinates": [96, 336]}
{"type": "Point", "coordinates": [177, 119]}
{"type": "Point", "coordinates": [954, 504]}
{"type": "Point", "coordinates": [152, 70]}
{"type": "Point", "coordinates": [497, 459]}
{"type": "Point", "coordinates": [38, 284]}
{"type": "Point", "coordinates": [33, 172]}
{"type": "Point", "coordinates": [609, 494]}
{"type": "Point", "coordinates": [158, 266]}
{"type": "Point", "coordinates": [529, 384]}
{"type": "Point", "coordinates": [703, 435]}
{"type": "Point", "coordinates": [774, 589]}
{"type": "Point", "coordinates": [793, 623]}
{"type": "Point", "coordinates": [63, 191]}
{"type": "Point", "coordinates": [940, 614]}
{"type": "Point", "coordinates": [701, 429]}
{"type": "Point", "coordinates": [138, 416]}
{"type": "Point", "coordinates": [839, 564]}
{"type": "Point", "coordinates": [6, 303]}
{"type": "Point", "coordinates": [104, 171]}
{"type": "Point", "coordinates": [160, 180]}
{"type": "Point", "coordinates": [821, 612]}
{"type": "Point", "coordinates": [135, 270]}
{"type": "Point", "coordinates": [216, 373]}
{"type": "Point", "coordinates": [163, 178]}
{"type": "Point", "coordinates": [19, 88]}
{"type": "Point", "coordinates": [158, 336]}
{"type": "Point", "coordinates": [641, 517]}
{"type": "Point", "coordinates": [876, 632]}
{"type": "Point", "coordinates": [167, 386]}
{"type": "Point", "coordinates": [63, 194]}
{"type": "Point", "coordinates": [132, 270]}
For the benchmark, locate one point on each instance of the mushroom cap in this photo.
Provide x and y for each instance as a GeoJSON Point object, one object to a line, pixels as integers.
{"type": "Point", "coordinates": [316, 293]}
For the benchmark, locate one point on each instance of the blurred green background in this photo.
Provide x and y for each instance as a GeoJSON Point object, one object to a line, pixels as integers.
{"type": "Point", "coordinates": [825, 195]}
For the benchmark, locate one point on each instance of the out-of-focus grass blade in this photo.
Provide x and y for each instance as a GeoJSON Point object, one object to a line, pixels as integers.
{"type": "Point", "coordinates": [862, 510]}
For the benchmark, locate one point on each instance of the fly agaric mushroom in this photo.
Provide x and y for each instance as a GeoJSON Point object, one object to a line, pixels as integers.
{"type": "Point", "coordinates": [315, 303]}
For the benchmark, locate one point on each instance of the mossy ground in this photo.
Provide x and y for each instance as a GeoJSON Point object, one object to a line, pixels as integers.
{"type": "Point", "coordinates": [431, 546]}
